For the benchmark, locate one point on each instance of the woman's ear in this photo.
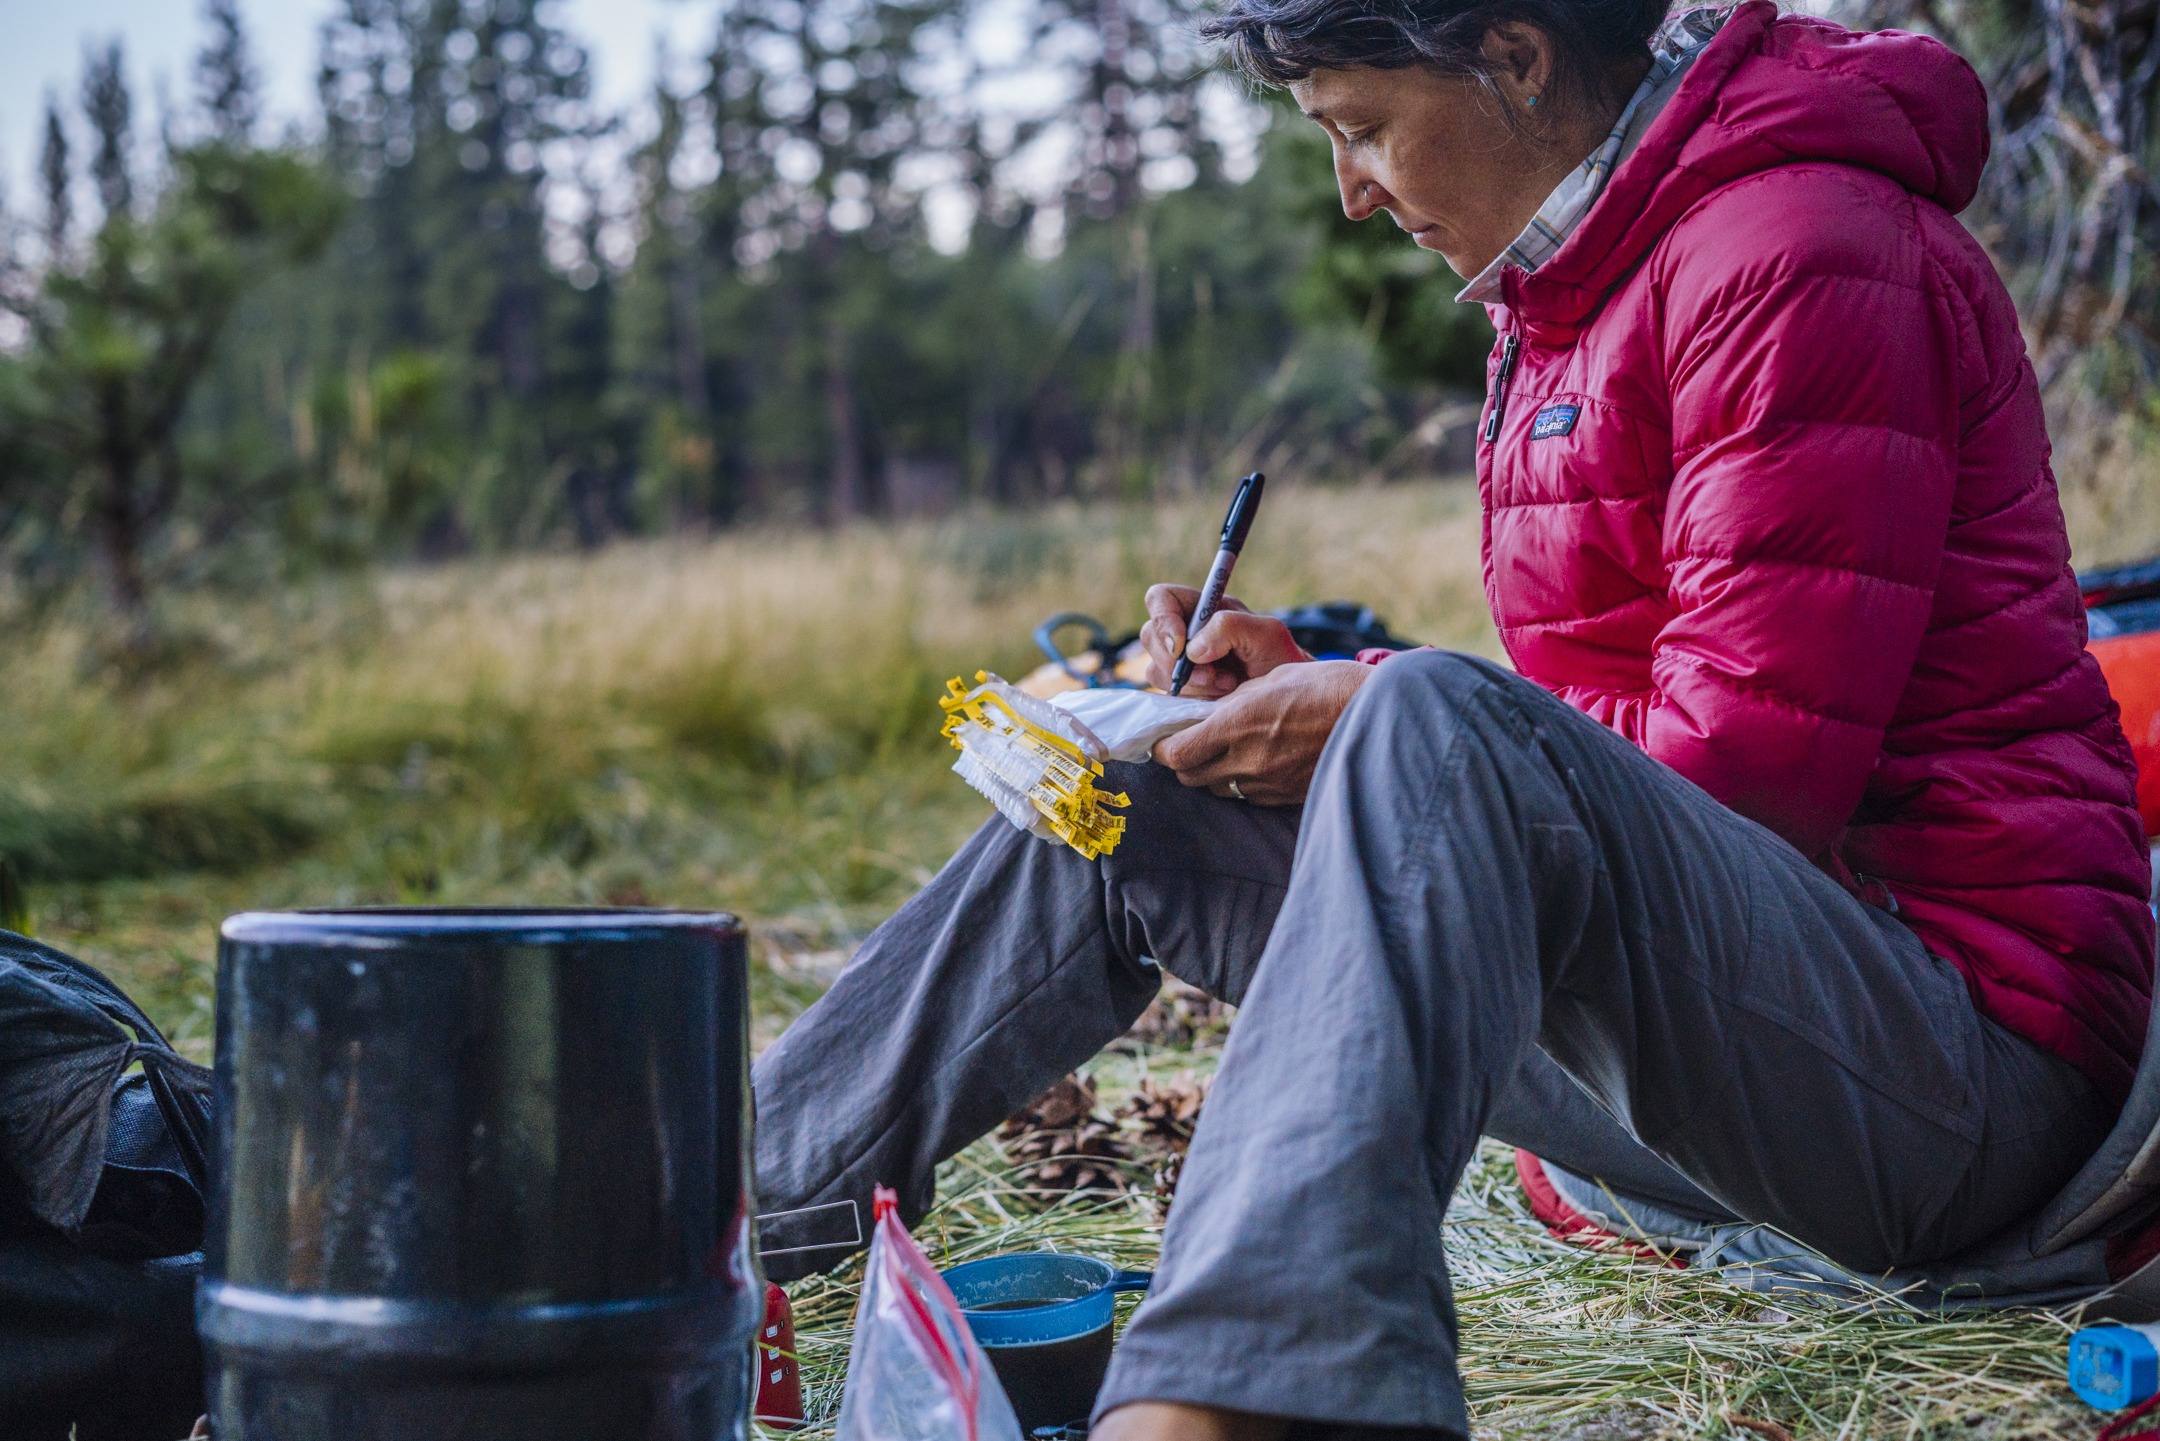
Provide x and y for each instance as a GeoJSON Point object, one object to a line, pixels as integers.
{"type": "Point", "coordinates": [1522, 62]}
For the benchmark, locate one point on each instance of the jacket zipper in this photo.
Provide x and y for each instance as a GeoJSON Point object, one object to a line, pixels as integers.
{"type": "Point", "coordinates": [1509, 349]}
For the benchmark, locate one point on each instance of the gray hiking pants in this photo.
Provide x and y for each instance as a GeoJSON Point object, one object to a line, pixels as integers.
{"type": "Point", "coordinates": [1493, 916]}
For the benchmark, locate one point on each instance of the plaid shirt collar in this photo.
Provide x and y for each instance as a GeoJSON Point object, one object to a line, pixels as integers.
{"type": "Point", "coordinates": [1677, 44]}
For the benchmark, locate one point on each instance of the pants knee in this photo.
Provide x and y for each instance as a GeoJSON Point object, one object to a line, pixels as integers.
{"type": "Point", "coordinates": [1168, 822]}
{"type": "Point", "coordinates": [1427, 689]}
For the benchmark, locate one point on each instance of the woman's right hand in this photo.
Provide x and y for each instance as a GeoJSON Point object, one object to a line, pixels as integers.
{"type": "Point", "coordinates": [1234, 647]}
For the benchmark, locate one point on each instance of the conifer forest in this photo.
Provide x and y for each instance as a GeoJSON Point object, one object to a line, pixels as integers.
{"type": "Point", "coordinates": [852, 266]}
{"type": "Point", "coordinates": [861, 258]}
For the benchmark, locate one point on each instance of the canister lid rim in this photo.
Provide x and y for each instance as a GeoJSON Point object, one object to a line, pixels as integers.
{"type": "Point", "coordinates": [512, 923]}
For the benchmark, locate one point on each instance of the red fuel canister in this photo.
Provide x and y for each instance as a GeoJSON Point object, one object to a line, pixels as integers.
{"type": "Point", "coordinates": [779, 1371]}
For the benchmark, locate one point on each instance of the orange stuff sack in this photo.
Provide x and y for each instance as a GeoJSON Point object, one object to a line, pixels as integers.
{"type": "Point", "coordinates": [2122, 621]}
{"type": "Point", "coordinates": [2131, 664]}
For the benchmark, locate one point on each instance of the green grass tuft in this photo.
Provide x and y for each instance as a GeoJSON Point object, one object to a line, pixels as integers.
{"type": "Point", "coordinates": [153, 827]}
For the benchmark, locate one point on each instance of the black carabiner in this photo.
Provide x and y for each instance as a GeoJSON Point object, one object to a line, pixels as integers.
{"type": "Point", "coordinates": [1098, 642]}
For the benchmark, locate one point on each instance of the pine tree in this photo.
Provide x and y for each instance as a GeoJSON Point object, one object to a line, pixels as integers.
{"type": "Point", "coordinates": [671, 229]}
{"type": "Point", "coordinates": [817, 112]}
{"type": "Point", "coordinates": [594, 438]}
{"type": "Point", "coordinates": [1134, 101]}
{"type": "Point", "coordinates": [1133, 116]}
{"type": "Point", "coordinates": [438, 112]}
{"type": "Point", "coordinates": [109, 107]}
{"type": "Point", "coordinates": [667, 372]}
{"type": "Point", "coordinates": [57, 178]}
{"type": "Point", "coordinates": [120, 336]}
{"type": "Point", "coordinates": [226, 84]}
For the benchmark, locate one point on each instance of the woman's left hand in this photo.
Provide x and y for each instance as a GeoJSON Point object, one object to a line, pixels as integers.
{"type": "Point", "coordinates": [1267, 734]}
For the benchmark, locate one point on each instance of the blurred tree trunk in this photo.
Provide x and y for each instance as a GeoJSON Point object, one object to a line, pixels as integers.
{"type": "Point", "coordinates": [846, 481]}
{"type": "Point", "coordinates": [118, 517]}
{"type": "Point", "coordinates": [686, 305]}
{"type": "Point", "coordinates": [1111, 89]}
{"type": "Point", "coordinates": [127, 506]}
{"type": "Point", "coordinates": [1125, 429]}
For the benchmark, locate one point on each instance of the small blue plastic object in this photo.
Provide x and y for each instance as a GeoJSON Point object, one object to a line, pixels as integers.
{"type": "Point", "coordinates": [2115, 1366]}
{"type": "Point", "coordinates": [1031, 1299]}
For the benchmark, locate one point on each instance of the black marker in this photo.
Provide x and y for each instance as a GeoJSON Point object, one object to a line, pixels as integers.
{"type": "Point", "coordinates": [1235, 527]}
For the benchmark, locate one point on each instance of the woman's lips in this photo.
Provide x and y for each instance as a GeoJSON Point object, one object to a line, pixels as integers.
{"type": "Point", "coordinates": [1426, 234]}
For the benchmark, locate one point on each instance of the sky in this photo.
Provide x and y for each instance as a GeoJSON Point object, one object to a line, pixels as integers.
{"type": "Point", "coordinates": [41, 49]}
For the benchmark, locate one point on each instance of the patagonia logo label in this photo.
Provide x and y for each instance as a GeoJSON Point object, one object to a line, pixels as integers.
{"type": "Point", "coordinates": [1553, 420]}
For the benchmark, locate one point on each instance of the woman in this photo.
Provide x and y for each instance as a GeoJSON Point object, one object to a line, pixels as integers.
{"type": "Point", "coordinates": [1796, 877]}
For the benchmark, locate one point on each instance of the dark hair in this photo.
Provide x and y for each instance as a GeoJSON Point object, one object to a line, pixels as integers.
{"type": "Point", "coordinates": [1277, 41]}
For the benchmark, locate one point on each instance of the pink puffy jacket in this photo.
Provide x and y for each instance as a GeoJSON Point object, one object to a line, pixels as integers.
{"type": "Point", "coordinates": [1770, 496]}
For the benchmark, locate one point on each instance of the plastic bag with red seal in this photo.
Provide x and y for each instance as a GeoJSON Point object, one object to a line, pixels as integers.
{"type": "Point", "coordinates": [915, 1372]}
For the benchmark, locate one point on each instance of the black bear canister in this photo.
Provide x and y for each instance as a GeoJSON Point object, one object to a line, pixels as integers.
{"type": "Point", "coordinates": [480, 1174]}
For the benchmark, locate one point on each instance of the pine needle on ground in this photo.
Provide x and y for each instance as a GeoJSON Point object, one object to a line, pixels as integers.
{"type": "Point", "coordinates": [1563, 1342]}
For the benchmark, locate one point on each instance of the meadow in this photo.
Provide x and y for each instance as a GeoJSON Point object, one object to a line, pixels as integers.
{"type": "Point", "coordinates": [749, 723]}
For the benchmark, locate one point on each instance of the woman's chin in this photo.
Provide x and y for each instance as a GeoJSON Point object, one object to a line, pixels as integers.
{"type": "Point", "coordinates": [1453, 255]}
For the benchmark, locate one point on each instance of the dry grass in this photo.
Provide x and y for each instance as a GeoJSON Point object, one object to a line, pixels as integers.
{"type": "Point", "coordinates": [749, 723]}
{"type": "Point", "coordinates": [1562, 1342]}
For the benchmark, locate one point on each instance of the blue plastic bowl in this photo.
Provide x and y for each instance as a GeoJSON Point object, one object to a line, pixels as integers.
{"type": "Point", "coordinates": [1074, 1295]}
{"type": "Point", "coordinates": [1044, 1322]}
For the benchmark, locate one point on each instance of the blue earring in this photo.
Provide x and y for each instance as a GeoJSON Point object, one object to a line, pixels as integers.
{"type": "Point", "coordinates": [1533, 102]}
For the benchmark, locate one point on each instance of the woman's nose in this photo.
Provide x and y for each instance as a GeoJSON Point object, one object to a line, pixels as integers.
{"type": "Point", "coordinates": [1362, 196]}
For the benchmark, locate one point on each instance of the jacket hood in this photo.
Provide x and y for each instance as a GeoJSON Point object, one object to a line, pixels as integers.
{"type": "Point", "coordinates": [1775, 90]}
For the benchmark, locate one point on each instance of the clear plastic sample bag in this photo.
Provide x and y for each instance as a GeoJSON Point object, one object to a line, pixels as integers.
{"type": "Point", "coordinates": [915, 1371]}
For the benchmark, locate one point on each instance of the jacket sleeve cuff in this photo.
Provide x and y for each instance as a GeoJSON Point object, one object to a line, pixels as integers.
{"type": "Point", "coordinates": [1373, 655]}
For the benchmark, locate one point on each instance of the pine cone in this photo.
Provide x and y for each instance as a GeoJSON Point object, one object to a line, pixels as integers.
{"type": "Point", "coordinates": [1058, 1142]}
{"type": "Point", "coordinates": [1064, 1105]}
{"type": "Point", "coordinates": [1179, 1015]}
{"type": "Point", "coordinates": [1160, 1117]}
{"type": "Point", "coordinates": [1166, 1178]}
